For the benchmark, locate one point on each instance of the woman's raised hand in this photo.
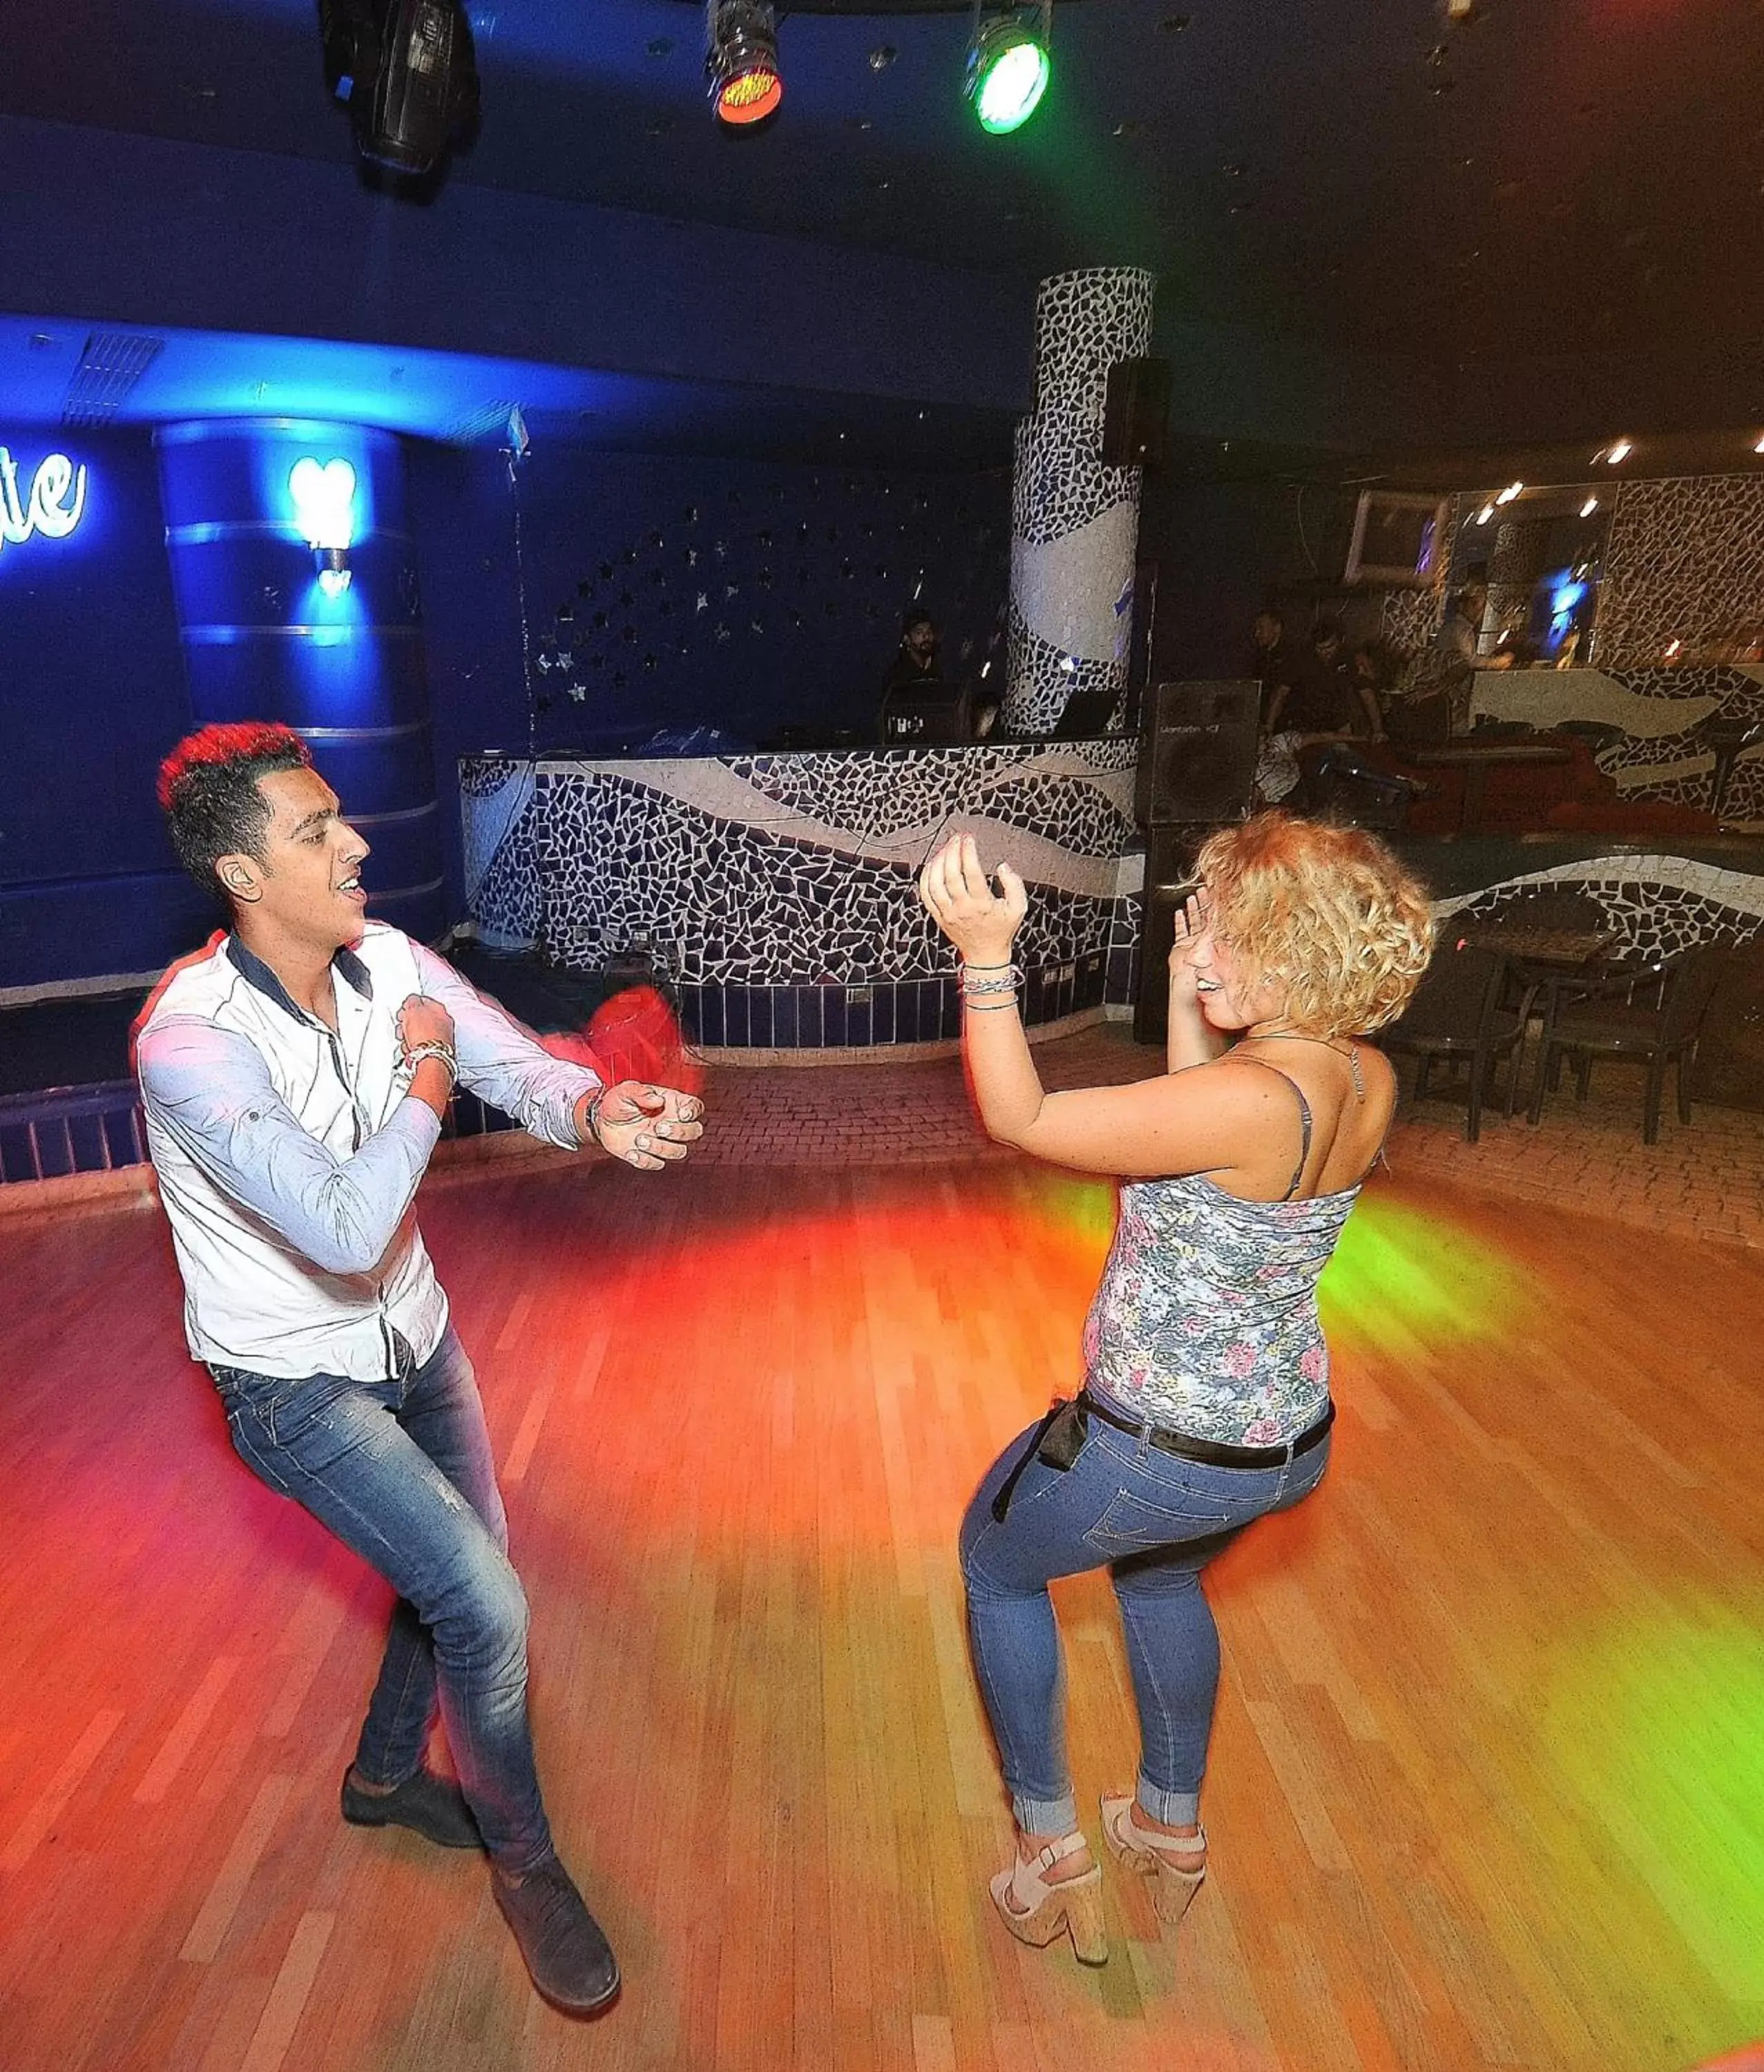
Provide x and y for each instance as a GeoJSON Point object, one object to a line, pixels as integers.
{"type": "Point", "coordinates": [981, 923]}
{"type": "Point", "coordinates": [1190, 922]}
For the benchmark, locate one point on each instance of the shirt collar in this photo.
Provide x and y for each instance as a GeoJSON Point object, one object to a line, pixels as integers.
{"type": "Point", "coordinates": [255, 971]}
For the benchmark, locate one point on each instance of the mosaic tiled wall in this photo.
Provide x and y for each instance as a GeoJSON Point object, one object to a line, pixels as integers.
{"type": "Point", "coordinates": [1656, 751]}
{"type": "Point", "coordinates": [1655, 906]}
{"type": "Point", "coordinates": [1075, 523]}
{"type": "Point", "coordinates": [776, 892]}
{"type": "Point", "coordinates": [1683, 562]}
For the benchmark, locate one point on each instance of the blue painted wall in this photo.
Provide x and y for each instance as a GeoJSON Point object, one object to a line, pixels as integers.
{"type": "Point", "coordinates": [673, 593]}
{"type": "Point", "coordinates": [91, 695]}
{"type": "Point", "coordinates": [93, 686]}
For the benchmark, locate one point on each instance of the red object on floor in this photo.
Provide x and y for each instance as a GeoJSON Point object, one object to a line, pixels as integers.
{"type": "Point", "coordinates": [1750, 2058]}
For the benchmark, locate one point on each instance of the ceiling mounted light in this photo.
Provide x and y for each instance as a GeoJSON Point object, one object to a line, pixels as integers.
{"type": "Point", "coordinates": [741, 55]}
{"type": "Point", "coordinates": [1616, 455]}
{"type": "Point", "coordinates": [1510, 492]}
{"type": "Point", "coordinates": [1008, 65]}
{"type": "Point", "coordinates": [407, 70]}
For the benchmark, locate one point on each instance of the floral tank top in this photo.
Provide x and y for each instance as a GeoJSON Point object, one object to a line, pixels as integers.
{"type": "Point", "coordinates": [1206, 1321]}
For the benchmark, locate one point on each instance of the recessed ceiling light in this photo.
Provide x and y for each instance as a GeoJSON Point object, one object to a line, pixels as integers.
{"type": "Point", "coordinates": [658, 46]}
{"type": "Point", "coordinates": [882, 57]}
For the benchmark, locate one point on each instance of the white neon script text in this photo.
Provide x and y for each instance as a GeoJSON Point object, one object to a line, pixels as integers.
{"type": "Point", "coordinates": [53, 507]}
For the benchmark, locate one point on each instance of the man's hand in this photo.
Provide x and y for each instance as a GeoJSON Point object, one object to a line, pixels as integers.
{"type": "Point", "coordinates": [645, 1126]}
{"type": "Point", "coordinates": [421, 1020]}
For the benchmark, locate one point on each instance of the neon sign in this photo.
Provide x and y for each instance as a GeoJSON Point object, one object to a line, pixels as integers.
{"type": "Point", "coordinates": [53, 505]}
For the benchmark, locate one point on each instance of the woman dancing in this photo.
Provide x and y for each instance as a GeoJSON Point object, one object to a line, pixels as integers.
{"type": "Point", "coordinates": [1205, 1399]}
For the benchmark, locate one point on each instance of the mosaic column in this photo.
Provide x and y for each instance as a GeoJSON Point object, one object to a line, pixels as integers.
{"type": "Point", "coordinates": [330, 644]}
{"type": "Point", "coordinates": [1075, 523]}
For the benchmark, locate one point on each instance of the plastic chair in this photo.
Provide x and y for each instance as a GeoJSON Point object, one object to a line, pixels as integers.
{"type": "Point", "coordinates": [1614, 1023]}
{"type": "Point", "coordinates": [1457, 1013]}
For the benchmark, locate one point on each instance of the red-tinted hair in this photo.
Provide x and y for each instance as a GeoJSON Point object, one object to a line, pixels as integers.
{"type": "Point", "coordinates": [208, 791]}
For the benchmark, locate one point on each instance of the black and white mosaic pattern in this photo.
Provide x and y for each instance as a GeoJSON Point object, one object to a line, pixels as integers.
{"type": "Point", "coordinates": [1057, 677]}
{"type": "Point", "coordinates": [1684, 562]}
{"type": "Point", "coordinates": [1074, 522]}
{"type": "Point", "coordinates": [748, 874]}
{"type": "Point", "coordinates": [1656, 906]}
{"type": "Point", "coordinates": [1659, 713]}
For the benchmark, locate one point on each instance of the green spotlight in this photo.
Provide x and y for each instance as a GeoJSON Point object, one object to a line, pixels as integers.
{"type": "Point", "coordinates": [1008, 69]}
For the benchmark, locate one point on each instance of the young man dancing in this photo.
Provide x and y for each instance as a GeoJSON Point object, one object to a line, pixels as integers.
{"type": "Point", "coordinates": [294, 1078]}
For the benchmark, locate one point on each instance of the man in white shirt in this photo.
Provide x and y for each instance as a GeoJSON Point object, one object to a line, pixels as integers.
{"type": "Point", "coordinates": [294, 1077]}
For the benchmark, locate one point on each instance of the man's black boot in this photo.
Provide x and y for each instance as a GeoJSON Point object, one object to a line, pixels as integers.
{"type": "Point", "coordinates": [570, 1961]}
{"type": "Point", "coordinates": [424, 1802]}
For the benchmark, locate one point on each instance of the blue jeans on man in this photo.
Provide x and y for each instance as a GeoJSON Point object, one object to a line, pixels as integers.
{"type": "Point", "coordinates": [401, 1472]}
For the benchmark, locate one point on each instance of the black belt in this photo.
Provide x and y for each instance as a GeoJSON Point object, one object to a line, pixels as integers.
{"type": "Point", "coordinates": [1057, 1441]}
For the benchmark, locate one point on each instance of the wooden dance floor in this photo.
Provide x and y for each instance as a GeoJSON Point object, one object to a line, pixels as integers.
{"type": "Point", "coordinates": [1488, 1780]}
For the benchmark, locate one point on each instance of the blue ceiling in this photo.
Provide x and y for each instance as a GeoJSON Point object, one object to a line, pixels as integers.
{"type": "Point", "coordinates": [1568, 170]}
{"type": "Point", "coordinates": [1552, 177]}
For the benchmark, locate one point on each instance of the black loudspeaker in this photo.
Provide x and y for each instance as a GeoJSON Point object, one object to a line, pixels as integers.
{"type": "Point", "coordinates": [1136, 414]}
{"type": "Point", "coordinates": [1169, 879]}
{"type": "Point", "coordinates": [1198, 759]}
{"type": "Point", "coordinates": [926, 715]}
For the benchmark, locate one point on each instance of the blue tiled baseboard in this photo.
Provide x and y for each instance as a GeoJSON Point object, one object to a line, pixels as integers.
{"type": "Point", "coordinates": [98, 1128]}
{"type": "Point", "coordinates": [839, 1017]}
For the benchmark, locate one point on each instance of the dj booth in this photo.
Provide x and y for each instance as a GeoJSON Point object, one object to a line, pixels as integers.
{"type": "Point", "coordinates": [775, 894]}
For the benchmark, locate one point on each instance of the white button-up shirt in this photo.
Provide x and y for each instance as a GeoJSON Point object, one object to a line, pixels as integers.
{"type": "Point", "coordinates": [288, 1156]}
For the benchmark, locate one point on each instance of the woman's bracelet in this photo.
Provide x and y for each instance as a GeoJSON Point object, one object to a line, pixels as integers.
{"type": "Point", "coordinates": [974, 988]}
{"type": "Point", "coordinates": [435, 1049]}
{"type": "Point", "coordinates": [591, 1116]}
{"type": "Point", "coordinates": [988, 1006]}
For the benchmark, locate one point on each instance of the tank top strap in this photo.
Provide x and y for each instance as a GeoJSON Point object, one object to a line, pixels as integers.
{"type": "Point", "coordinates": [1304, 1123]}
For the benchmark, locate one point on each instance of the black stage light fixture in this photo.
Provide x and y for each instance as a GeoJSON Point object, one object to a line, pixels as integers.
{"type": "Point", "coordinates": [741, 57]}
{"type": "Point", "coordinates": [407, 70]}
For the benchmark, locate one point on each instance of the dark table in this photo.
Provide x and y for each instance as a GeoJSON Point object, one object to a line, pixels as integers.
{"type": "Point", "coordinates": [1477, 759]}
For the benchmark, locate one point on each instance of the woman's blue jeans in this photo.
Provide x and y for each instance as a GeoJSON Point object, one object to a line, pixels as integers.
{"type": "Point", "coordinates": [1156, 1521]}
{"type": "Point", "coordinates": [401, 1472]}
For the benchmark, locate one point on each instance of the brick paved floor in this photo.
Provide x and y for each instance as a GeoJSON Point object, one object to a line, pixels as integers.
{"type": "Point", "coordinates": [1706, 1179]}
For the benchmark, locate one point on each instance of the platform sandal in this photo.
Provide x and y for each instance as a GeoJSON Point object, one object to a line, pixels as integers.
{"type": "Point", "coordinates": [1035, 1910]}
{"type": "Point", "coordinates": [1156, 1856]}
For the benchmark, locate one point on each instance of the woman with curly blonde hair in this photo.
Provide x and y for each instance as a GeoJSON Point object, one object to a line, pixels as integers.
{"type": "Point", "coordinates": [1205, 1401]}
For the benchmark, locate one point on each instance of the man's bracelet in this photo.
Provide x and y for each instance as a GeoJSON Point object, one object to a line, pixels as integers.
{"type": "Point", "coordinates": [436, 1049]}
{"type": "Point", "coordinates": [591, 1116]}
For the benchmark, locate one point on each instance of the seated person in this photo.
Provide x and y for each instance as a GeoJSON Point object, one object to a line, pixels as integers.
{"type": "Point", "coordinates": [1320, 698]}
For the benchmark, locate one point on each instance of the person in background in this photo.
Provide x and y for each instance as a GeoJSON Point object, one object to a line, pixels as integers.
{"type": "Point", "coordinates": [294, 1077]}
{"type": "Point", "coordinates": [1320, 697]}
{"type": "Point", "coordinates": [1461, 631]}
{"type": "Point", "coordinates": [1270, 661]}
{"type": "Point", "coordinates": [1370, 675]}
{"type": "Point", "coordinates": [1206, 1403]}
{"type": "Point", "coordinates": [916, 659]}
{"type": "Point", "coordinates": [916, 662]}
